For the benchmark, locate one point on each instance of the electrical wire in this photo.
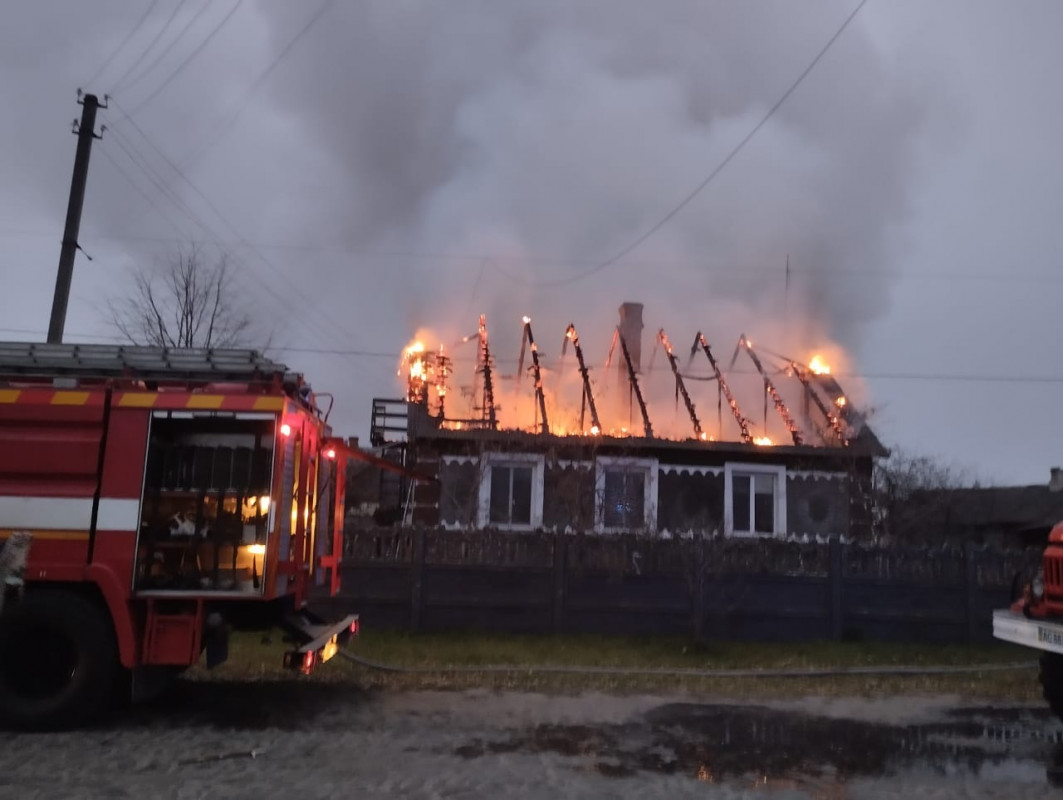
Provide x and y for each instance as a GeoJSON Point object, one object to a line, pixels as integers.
{"type": "Point", "coordinates": [188, 60]}
{"type": "Point", "coordinates": [708, 179]}
{"type": "Point", "coordinates": [220, 130]}
{"type": "Point", "coordinates": [292, 288]}
{"type": "Point", "coordinates": [173, 43]}
{"type": "Point", "coordinates": [132, 32]}
{"type": "Point", "coordinates": [165, 27]}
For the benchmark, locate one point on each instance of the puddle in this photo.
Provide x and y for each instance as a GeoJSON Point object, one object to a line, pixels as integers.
{"type": "Point", "coordinates": [720, 743]}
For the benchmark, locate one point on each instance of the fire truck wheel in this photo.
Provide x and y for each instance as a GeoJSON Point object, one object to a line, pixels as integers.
{"type": "Point", "coordinates": [1052, 681]}
{"type": "Point", "coordinates": [58, 661]}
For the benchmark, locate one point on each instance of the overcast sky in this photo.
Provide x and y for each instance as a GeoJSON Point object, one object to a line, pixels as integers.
{"type": "Point", "coordinates": [376, 168]}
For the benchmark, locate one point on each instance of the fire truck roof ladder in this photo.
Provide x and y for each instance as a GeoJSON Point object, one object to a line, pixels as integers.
{"type": "Point", "coordinates": [135, 362]}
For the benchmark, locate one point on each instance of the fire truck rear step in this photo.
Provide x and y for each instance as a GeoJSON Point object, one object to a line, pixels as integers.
{"type": "Point", "coordinates": [319, 639]}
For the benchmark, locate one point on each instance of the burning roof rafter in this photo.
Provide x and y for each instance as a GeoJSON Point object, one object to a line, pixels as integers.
{"type": "Point", "coordinates": [769, 387]}
{"type": "Point", "coordinates": [825, 410]}
{"type": "Point", "coordinates": [680, 386]}
{"type": "Point", "coordinates": [587, 401]}
{"type": "Point", "coordinates": [721, 382]}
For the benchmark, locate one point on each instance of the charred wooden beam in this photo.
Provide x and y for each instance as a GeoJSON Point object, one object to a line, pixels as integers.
{"type": "Point", "coordinates": [679, 384]}
{"type": "Point", "coordinates": [588, 395]}
{"type": "Point", "coordinates": [634, 381]}
{"type": "Point", "coordinates": [485, 368]}
{"type": "Point", "coordinates": [536, 373]}
{"type": "Point", "coordinates": [743, 423]}
{"type": "Point", "coordinates": [769, 387]}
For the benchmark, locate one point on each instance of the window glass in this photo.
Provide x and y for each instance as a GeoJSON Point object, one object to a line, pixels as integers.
{"type": "Point", "coordinates": [500, 477]}
{"type": "Point", "coordinates": [764, 502]}
{"type": "Point", "coordinates": [511, 495]}
{"type": "Point", "coordinates": [740, 496]}
{"type": "Point", "coordinates": [520, 511]}
{"type": "Point", "coordinates": [624, 503]}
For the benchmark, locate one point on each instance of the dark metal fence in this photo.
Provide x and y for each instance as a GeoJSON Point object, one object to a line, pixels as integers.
{"type": "Point", "coordinates": [745, 589]}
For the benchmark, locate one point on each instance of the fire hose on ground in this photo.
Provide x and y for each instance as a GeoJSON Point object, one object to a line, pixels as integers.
{"type": "Point", "coordinates": [676, 672]}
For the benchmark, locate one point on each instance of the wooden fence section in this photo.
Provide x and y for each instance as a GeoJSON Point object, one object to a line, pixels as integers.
{"type": "Point", "coordinates": [741, 589]}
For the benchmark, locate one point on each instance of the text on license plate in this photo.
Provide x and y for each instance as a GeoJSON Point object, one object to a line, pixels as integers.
{"type": "Point", "coordinates": [1049, 636]}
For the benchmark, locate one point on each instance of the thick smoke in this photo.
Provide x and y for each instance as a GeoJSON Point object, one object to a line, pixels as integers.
{"type": "Point", "coordinates": [550, 135]}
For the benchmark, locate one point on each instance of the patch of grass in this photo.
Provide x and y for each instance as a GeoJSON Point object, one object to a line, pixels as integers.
{"type": "Point", "coordinates": [252, 659]}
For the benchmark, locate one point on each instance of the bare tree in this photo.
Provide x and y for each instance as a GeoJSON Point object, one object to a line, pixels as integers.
{"type": "Point", "coordinates": [190, 302]}
{"type": "Point", "coordinates": [911, 494]}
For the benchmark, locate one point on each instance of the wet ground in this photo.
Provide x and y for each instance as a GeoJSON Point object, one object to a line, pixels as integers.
{"type": "Point", "coordinates": [312, 740]}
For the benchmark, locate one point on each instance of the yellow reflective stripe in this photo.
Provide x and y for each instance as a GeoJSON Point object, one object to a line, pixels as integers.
{"type": "Point", "coordinates": [66, 536]}
{"type": "Point", "coordinates": [269, 404]}
{"type": "Point", "coordinates": [70, 398]}
{"type": "Point", "coordinates": [9, 395]}
{"type": "Point", "coordinates": [205, 401]}
{"type": "Point", "coordinates": [138, 399]}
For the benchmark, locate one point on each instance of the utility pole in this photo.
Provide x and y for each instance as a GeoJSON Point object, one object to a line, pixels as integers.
{"type": "Point", "coordinates": [86, 133]}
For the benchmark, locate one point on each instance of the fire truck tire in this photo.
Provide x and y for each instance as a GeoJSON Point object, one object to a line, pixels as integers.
{"type": "Point", "coordinates": [1052, 681]}
{"type": "Point", "coordinates": [58, 661]}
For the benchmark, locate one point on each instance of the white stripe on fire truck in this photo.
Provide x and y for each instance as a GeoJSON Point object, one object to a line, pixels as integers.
{"type": "Point", "coordinates": [68, 513]}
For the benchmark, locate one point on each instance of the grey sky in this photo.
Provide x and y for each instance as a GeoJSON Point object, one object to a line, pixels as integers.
{"type": "Point", "coordinates": [408, 165]}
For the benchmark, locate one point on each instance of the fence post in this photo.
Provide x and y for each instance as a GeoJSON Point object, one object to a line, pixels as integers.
{"type": "Point", "coordinates": [697, 586]}
{"type": "Point", "coordinates": [417, 582]}
{"type": "Point", "coordinates": [835, 593]}
{"type": "Point", "coordinates": [560, 547]}
{"type": "Point", "coordinates": [970, 588]}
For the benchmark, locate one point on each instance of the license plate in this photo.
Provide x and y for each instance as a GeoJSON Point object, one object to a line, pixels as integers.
{"type": "Point", "coordinates": [1049, 636]}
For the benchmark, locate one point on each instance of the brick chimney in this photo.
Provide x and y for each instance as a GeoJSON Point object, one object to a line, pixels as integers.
{"type": "Point", "coordinates": [1055, 484]}
{"type": "Point", "coordinates": [631, 330]}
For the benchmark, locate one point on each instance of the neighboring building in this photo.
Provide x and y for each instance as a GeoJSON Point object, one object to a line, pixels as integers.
{"type": "Point", "coordinates": [1002, 515]}
{"type": "Point", "coordinates": [484, 476]}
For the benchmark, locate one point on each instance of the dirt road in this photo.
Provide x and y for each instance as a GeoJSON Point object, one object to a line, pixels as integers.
{"type": "Point", "coordinates": [218, 740]}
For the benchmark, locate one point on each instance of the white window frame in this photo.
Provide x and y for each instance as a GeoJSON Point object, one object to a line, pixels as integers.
{"type": "Point", "coordinates": [729, 471]}
{"type": "Point", "coordinates": [483, 512]}
{"type": "Point", "coordinates": [649, 466]}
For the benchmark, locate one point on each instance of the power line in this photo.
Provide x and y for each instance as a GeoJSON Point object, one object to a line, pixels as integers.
{"type": "Point", "coordinates": [173, 43]}
{"type": "Point", "coordinates": [292, 288]}
{"type": "Point", "coordinates": [135, 185]}
{"type": "Point", "coordinates": [132, 32]}
{"type": "Point", "coordinates": [143, 55]}
{"type": "Point", "coordinates": [191, 56]}
{"type": "Point", "coordinates": [238, 109]}
{"type": "Point", "coordinates": [883, 376]}
{"type": "Point", "coordinates": [712, 175]}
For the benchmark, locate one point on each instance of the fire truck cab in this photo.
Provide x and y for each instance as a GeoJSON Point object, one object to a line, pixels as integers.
{"type": "Point", "coordinates": [169, 496]}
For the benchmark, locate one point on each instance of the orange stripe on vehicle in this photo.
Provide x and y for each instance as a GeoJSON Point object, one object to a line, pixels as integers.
{"type": "Point", "coordinates": [65, 536]}
{"type": "Point", "coordinates": [205, 401]}
{"type": "Point", "coordinates": [9, 395]}
{"type": "Point", "coordinates": [269, 404]}
{"type": "Point", "coordinates": [138, 399]}
{"type": "Point", "coordinates": [70, 398]}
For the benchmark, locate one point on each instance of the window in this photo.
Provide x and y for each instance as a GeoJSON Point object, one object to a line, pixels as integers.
{"type": "Point", "coordinates": [755, 500]}
{"type": "Point", "coordinates": [626, 490]}
{"type": "Point", "coordinates": [511, 491]}
{"type": "Point", "coordinates": [625, 498]}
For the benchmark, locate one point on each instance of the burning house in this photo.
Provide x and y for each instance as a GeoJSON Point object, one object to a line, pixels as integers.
{"type": "Point", "coordinates": [681, 442]}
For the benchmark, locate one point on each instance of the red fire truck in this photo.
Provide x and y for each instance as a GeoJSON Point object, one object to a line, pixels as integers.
{"type": "Point", "coordinates": [169, 496]}
{"type": "Point", "coordinates": [1035, 620]}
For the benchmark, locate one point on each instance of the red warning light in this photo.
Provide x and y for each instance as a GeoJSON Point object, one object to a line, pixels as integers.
{"type": "Point", "coordinates": [286, 429]}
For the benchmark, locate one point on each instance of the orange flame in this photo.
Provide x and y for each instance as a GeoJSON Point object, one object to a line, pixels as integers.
{"type": "Point", "coordinates": [763, 441]}
{"type": "Point", "coordinates": [819, 366]}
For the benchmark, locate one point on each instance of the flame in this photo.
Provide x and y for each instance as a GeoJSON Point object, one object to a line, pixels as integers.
{"type": "Point", "coordinates": [595, 430]}
{"type": "Point", "coordinates": [415, 364]}
{"type": "Point", "coordinates": [526, 320]}
{"type": "Point", "coordinates": [763, 441]}
{"type": "Point", "coordinates": [819, 366]}
{"type": "Point", "coordinates": [841, 401]}
{"type": "Point", "coordinates": [704, 436]}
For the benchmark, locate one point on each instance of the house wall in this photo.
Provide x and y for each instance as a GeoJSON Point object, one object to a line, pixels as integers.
{"type": "Point", "coordinates": [817, 502]}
